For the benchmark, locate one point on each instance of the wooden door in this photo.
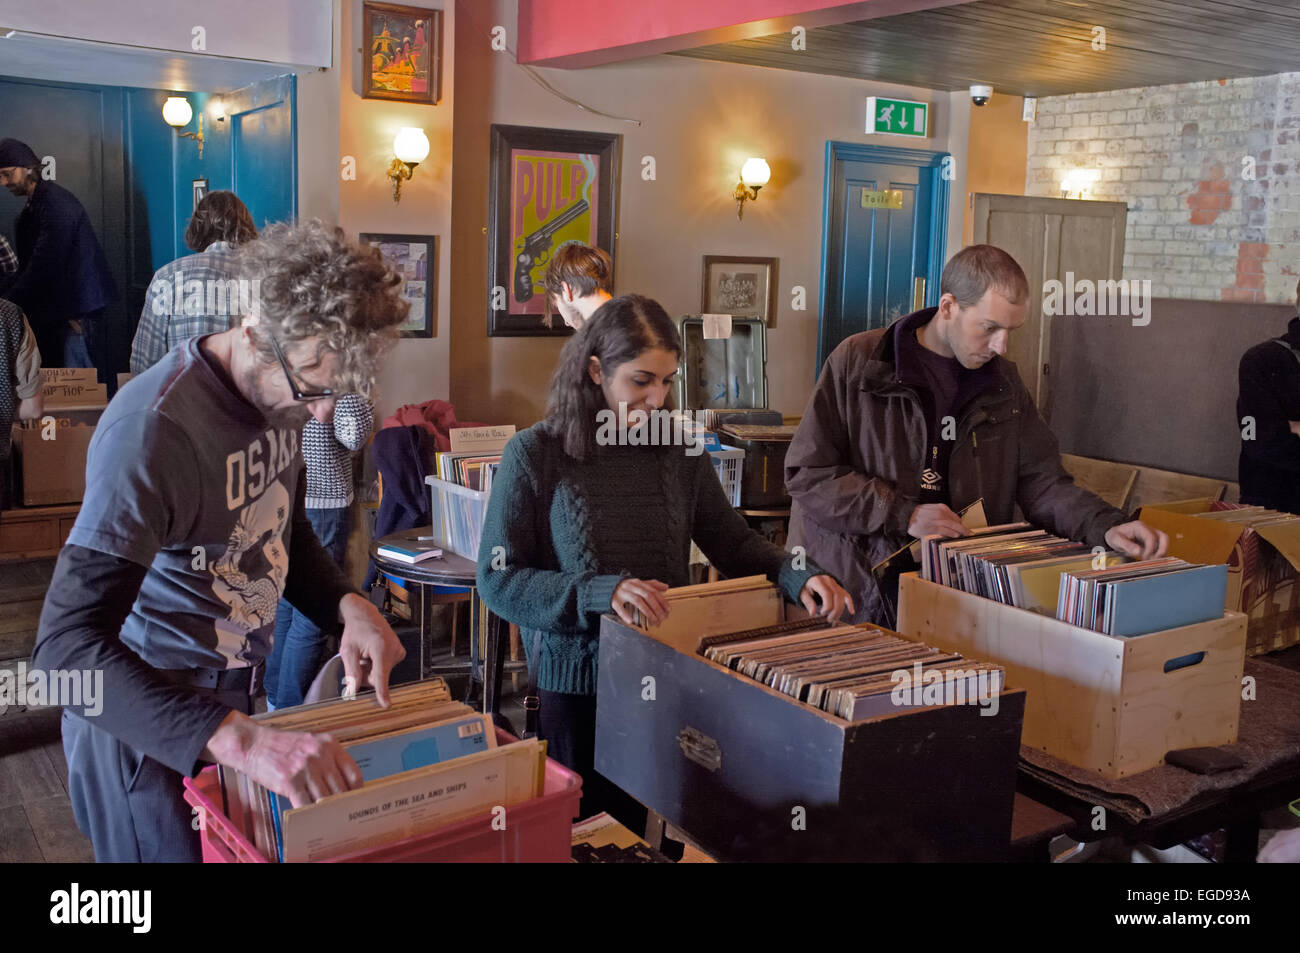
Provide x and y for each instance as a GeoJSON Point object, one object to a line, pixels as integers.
{"type": "Point", "coordinates": [1049, 238]}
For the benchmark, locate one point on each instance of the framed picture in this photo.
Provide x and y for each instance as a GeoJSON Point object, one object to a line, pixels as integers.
{"type": "Point", "coordinates": [743, 287]}
{"type": "Point", "coordinates": [402, 53]}
{"type": "Point", "coordinates": [416, 259]}
{"type": "Point", "coordinates": [200, 187]}
{"type": "Point", "coordinates": [548, 187]}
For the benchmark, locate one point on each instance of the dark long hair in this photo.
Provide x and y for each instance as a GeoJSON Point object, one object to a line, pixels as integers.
{"type": "Point", "coordinates": [220, 217]}
{"type": "Point", "coordinates": [620, 330]}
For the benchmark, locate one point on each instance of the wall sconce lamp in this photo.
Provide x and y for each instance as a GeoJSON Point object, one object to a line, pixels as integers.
{"type": "Point", "coordinates": [410, 148]}
{"type": "Point", "coordinates": [177, 113]}
{"type": "Point", "coordinates": [754, 174]}
{"type": "Point", "coordinates": [1078, 183]}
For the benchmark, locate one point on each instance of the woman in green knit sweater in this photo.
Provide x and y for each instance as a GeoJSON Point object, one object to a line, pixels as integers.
{"type": "Point", "coordinates": [579, 525]}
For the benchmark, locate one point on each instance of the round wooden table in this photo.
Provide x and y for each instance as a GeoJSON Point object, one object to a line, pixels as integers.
{"type": "Point", "coordinates": [453, 570]}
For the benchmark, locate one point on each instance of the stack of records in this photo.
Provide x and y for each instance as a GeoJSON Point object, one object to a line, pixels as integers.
{"type": "Point", "coordinates": [849, 671]}
{"type": "Point", "coordinates": [1013, 564]}
{"type": "Point", "coordinates": [1251, 516]}
{"type": "Point", "coordinates": [1141, 597]}
{"type": "Point", "coordinates": [469, 468]}
{"type": "Point", "coordinates": [427, 761]}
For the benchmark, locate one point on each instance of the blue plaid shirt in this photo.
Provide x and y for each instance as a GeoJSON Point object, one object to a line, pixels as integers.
{"type": "Point", "coordinates": [8, 260]}
{"type": "Point", "coordinates": [194, 295]}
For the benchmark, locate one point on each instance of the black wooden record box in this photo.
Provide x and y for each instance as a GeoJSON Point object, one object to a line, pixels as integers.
{"type": "Point", "coordinates": [751, 774]}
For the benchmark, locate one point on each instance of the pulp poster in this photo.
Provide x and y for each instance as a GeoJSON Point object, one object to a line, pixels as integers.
{"type": "Point", "coordinates": [553, 200]}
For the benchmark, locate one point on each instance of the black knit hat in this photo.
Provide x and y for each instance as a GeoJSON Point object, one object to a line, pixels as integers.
{"type": "Point", "coordinates": [15, 153]}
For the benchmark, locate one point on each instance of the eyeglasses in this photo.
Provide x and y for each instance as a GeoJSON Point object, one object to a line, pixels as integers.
{"type": "Point", "coordinates": [299, 394]}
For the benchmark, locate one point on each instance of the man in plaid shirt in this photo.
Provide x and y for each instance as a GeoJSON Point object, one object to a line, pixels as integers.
{"type": "Point", "coordinates": [198, 294]}
{"type": "Point", "coordinates": [8, 260]}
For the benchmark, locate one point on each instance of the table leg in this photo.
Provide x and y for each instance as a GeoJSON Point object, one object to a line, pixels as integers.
{"type": "Point", "coordinates": [426, 622]}
{"type": "Point", "coordinates": [654, 829]}
{"type": "Point", "coordinates": [476, 611]}
{"type": "Point", "coordinates": [493, 663]}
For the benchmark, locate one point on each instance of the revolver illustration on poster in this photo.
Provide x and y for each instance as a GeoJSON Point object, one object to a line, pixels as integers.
{"type": "Point", "coordinates": [533, 250]}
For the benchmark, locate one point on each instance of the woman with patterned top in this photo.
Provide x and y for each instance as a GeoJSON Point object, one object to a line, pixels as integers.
{"type": "Point", "coordinates": [299, 647]}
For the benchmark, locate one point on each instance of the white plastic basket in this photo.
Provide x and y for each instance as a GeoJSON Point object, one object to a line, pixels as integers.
{"type": "Point", "coordinates": [728, 463]}
{"type": "Point", "coordinates": [457, 515]}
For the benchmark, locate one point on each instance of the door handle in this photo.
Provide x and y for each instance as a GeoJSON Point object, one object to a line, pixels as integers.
{"type": "Point", "coordinates": [918, 294]}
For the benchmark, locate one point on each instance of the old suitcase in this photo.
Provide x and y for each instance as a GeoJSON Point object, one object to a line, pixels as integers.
{"type": "Point", "coordinates": [752, 774]}
{"type": "Point", "coordinates": [722, 372]}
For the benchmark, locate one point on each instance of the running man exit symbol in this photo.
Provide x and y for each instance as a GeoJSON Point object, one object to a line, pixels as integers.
{"type": "Point", "coordinates": [897, 117]}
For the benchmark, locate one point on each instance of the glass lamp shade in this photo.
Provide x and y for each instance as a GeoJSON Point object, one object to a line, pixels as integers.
{"type": "Point", "coordinates": [411, 145]}
{"type": "Point", "coordinates": [177, 111]}
{"type": "Point", "coordinates": [755, 173]}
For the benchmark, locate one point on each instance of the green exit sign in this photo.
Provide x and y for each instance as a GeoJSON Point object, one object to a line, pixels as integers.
{"type": "Point", "coordinates": [897, 117]}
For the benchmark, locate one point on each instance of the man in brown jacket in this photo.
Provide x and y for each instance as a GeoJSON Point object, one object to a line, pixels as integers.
{"type": "Point", "coordinates": [913, 422]}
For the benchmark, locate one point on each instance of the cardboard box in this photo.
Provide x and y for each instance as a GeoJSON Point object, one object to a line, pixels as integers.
{"type": "Point", "coordinates": [1101, 702]}
{"type": "Point", "coordinates": [1263, 566]}
{"type": "Point", "coordinates": [69, 375]}
{"type": "Point", "coordinates": [63, 386]}
{"type": "Point", "coordinates": [52, 471]}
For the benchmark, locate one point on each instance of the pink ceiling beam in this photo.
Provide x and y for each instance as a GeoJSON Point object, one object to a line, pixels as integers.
{"type": "Point", "coordinates": [579, 33]}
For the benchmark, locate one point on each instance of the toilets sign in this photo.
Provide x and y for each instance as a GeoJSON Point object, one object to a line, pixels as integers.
{"type": "Point", "coordinates": [897, 117]}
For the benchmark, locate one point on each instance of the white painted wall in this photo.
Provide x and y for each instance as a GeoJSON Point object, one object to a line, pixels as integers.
{"type": "Point", "coordinates": [291, 32]}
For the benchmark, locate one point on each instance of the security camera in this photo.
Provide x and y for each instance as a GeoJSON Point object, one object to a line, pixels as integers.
{"type": "Point", "coordinates": [980, 95]}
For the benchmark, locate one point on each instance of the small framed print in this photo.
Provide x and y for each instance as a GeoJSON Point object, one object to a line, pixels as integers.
{"type": "Point", "coordinates": [415, 257]}
{"type": "Point", "coordinates": [200, 187]}
{"type": "Point", "coordinates": [743, 287]}
{"type": "Point", "coordinates": [402, 53]}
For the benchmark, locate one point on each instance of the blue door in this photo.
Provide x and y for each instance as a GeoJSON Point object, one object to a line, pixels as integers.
{"type": "Point", "coordinates": [885, 221]}
{"type": "Point", "coordinates": [264, 151]}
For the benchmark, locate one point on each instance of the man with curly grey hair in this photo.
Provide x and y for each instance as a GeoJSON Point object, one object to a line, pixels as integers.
{"type": "Point", "coordinates": [192, 528]}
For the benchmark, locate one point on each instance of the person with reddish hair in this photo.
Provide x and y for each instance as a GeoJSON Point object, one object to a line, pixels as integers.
{"type": "Point", "coordinates": [578, 280]}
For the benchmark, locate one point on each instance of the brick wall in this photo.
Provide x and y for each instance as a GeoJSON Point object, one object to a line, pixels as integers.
{"type": "Point", "coordinates": [1199, 225]}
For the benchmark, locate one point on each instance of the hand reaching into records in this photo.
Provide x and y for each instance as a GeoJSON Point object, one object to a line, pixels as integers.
{"type": "Point", "coordinates": [302, 767]}
{"type": "Point", "coordinates": [368, 647]}
{"type": "Point", "coordinates": [935, 519]}
{"type": "Point", "coordinates": [833, 597]}
{"type": "Point", "coordinates": [1138, 540]}
{"type": "Point", "coordinates": [643, 595]}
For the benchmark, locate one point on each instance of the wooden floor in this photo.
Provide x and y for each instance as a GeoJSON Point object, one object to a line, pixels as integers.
{"type": "Point", "coordinates": [36, 823]}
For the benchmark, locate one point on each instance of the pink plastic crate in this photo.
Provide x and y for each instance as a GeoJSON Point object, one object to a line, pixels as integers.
{"type": "Point", "coordinates": [538, 831]}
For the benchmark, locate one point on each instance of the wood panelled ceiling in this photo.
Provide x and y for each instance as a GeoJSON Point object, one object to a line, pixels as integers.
{"type": "Point", "coordinates": [1044, 47]}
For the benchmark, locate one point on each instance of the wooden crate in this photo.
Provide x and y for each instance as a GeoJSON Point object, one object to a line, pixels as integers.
{"type": "Point", "coordinates": [1103, 703]}
{"type": "Point", "coordinates": [735, 763]}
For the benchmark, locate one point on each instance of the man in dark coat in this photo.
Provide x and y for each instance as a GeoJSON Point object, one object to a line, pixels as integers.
{"type": "Point", "coordinates": [1268, 414]}
{"type": "Point", "coordinates": [63, 282]}
{"type": "Point", "coordinates": [913, 422]}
